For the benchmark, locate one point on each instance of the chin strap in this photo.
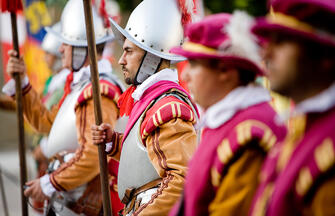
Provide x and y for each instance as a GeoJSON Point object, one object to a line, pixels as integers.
{"type": "Point", "coordinates": [149, 65]}
{"type": "Point", "coordinates": [79, 55]}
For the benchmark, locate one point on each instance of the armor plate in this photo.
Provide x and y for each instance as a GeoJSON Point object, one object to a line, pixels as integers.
{"type": "Point", "coordinates": [63, 133]}
{"type": "Point", "coordinates": [135, 167]}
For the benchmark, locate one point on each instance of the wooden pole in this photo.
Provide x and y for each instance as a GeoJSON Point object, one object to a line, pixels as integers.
{"type": "Point", "coordinates": [3, 195]}
{"type": "Point", "coordinates": [97, 105]}
{"type": "Point", "coordinates": [19, 113]}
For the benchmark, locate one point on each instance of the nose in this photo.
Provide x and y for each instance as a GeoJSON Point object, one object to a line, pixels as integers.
{"type": "Point", "coordinates": [61, 48]}
{"type": "Point", "coordinates": [122, 60]}
{"type": "Point", "coordinates": [185, 75]}
{"type": "Point", "coordinates": [268, 51]}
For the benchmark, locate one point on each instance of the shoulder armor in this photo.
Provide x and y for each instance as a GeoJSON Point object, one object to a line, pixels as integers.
{"type": "Point", "coordinates": [165, 110]}
{"type": "Point", "coordinates": [107, 89]}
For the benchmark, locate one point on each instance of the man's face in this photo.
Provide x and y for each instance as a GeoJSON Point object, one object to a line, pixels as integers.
{"type": "Point", "coordinates": [130, 61]}
{"type": "Point", "coordinates": [202, 81]}
{"type": "Point", "coordinates": [66, 51]}
{"type": "Point", "coordinates": [50, 59]}
{"type": "Point", "coordinates": [283, 59]}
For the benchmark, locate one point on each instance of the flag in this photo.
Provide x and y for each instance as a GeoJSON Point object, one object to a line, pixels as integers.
{"type": "Point", "coordinates": [11, 5]}
{"type": "Point", "coordinates": [30, 23]}
{"type": "Point", "coordinates": [6, 37]}
{"type": "Point", "coordinates": [37, 17]}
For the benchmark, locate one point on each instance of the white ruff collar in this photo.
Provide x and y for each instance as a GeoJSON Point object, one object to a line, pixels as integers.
{"type": "Point", "coordinates": [318, 103]}
{"type": "Point", "coordinates": [165, 74]}
{"type": "Point", "coordinates": [104, 67]}
{"type": "Point", "coordinates": [238, 99]}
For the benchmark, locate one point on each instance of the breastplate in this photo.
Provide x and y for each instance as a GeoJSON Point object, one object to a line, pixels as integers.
{"type": "Point", "coordinates": [135, 168]}
{"type": "Point", "coordinates": [63, 133]}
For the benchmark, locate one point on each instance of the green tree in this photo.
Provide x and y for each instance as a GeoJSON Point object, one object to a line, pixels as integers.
{"type": "Point", "coordinates": [253, 7]}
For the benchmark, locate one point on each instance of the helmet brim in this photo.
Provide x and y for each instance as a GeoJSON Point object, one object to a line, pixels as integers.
{"type": "Point", "coordinates": [121, 34]}
{"type": "Point", "coordinates": [107, 38]}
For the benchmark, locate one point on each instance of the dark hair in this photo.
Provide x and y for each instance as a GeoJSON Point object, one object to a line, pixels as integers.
{"type": "Point", "coordinates": [100, 48]}
{"type": "Point", "coordinates": [315, 51]}
{"type": "Point", "coordinates": [246, 76]}
{"type": "Point", "coordinates": [314, 55]}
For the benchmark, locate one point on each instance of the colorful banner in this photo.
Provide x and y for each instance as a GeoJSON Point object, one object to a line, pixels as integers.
{"type": "Point", "coordinates": [6, 37]}
{"type": "Point", "coordinates": [31, 31]}
{"type": "Point", "coordinates": [37, 17]}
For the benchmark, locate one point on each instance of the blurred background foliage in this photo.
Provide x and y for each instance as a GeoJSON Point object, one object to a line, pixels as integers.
{"type": "Point", "coordinates": [253, 7]}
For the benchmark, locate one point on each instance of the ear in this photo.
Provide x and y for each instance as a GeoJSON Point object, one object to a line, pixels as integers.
{"type": "Point", "coordinates": [223, 76]}
{"type": "Point", "coordinates": [226, 73]}
{"type": "Point", "coordinates": [229, 76]}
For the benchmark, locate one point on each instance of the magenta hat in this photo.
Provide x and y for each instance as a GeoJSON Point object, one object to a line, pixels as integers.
{"type": "Point", "coordinates": [223, 36]}
{"type": "Point", "coordinates": [306, 19]}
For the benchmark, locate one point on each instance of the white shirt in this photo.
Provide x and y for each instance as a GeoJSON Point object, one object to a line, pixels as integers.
{"type": "Point", "coordinates": [83, 74]}
{"type": "Point", "coordinates": [238, 99]}
{"type": "Point", "coordinates": [165, 74]}
{"type": "Point", "coordinates": [321, 102]}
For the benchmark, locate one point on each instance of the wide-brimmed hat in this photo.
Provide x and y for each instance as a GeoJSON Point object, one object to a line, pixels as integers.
{"type": "Point", "coordinates": [223, 36]}
{"type": "Point", "coordinates": [311, 20]}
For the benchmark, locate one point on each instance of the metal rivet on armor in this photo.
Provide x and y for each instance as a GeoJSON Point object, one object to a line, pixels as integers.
{"type": "Point", "coordinates": [142, 40]}
{"type": "Point", "coordinates": [151, 46]}
{"type": "Point", "coordinates": [162, 50]}
{"type": "Point", "coordinates": [129, 29]}
{"type": "Point", "coordinates": [135, 35]}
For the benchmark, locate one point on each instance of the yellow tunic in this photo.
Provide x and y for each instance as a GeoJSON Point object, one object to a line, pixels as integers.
{"type": "Point", "coordinates": [176, 141]}
{"type": "Point", "coordinates": [84, 166]}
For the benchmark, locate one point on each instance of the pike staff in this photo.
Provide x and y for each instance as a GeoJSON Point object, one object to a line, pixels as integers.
{"type": "Point", "coordinates": [107, 208]}
{"type": "Point", "coordinates": [13, 6]}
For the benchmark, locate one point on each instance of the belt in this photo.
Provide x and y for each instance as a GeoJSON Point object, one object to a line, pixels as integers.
{"type": "Point", "coordinates": [131, 194]}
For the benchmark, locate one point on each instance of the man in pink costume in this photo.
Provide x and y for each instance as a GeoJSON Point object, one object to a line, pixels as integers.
{"type": "Point", "coordinates": [298, 176]}
{"type": "Point", "coordinates": [239, 124]}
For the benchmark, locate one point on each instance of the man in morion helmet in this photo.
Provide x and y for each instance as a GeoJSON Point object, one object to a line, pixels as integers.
{"type": "Point", "coordinates": [75, 175]}
{"type": "Point", "coordinates": [160, 136]}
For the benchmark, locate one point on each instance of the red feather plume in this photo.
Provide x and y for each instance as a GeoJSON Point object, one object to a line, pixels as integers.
{"type": "Point", "coordinates": [11, 5]}
{"type": "Point", "coordinates": [101, 5]}
{"type": "Point", "coordinates": [103, 13]}
{"type": "Point", "coordinates": [188, 8]}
